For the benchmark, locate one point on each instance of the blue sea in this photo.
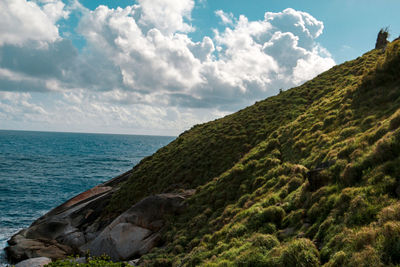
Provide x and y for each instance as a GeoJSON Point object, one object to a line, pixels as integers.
{"type": "Point", "coordinates": [40, 170]}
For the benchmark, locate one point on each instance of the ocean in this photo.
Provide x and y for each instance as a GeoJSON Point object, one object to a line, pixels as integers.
{"type": "Point", "coordinates": [40, 170]}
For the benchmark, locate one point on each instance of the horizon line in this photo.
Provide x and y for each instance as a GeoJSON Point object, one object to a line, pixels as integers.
{"type": "Point", "coordinates": [99, 133]}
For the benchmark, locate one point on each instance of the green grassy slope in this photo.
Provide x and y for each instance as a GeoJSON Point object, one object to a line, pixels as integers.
{"type": "Point", "coordinates": [259, 199]}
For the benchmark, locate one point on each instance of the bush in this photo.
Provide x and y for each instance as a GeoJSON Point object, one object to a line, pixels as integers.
{"type": "Point", "coordinates": [391, 242]}
{"type": "Point", "coordinates": [91, 262]}
{"type": "Point", "coordinates": [251, 258]}
{"type": "Point", "coordinates": [387, 148]}
{"type": "Point", "coordinates": [337, 260]}
{"type": "Point", "coordinates": [352, 174]}
{"type": "Point", "coordinates": [390, 213]}
{"type": "Point", "coordinates": [294, 183]}
{"type": "Point", "coordinates": [299, 252]}
{"type": "Point", "coordinates": [328, 121]}
{"type": "Point", "coordinates": [360, 212]}
{"type": "Point", "coordinates": [365, 258]}
{"type": "Point", "coordinates": [237, 230]}
{"type": "Point", "coordinates": [272, 214]}
{"type": "Point", "coordinates": [350, 131]}
{"type": "Point", "coordinates": [395, 121]}
{"type": "Point", "coordinates": [264, 241]}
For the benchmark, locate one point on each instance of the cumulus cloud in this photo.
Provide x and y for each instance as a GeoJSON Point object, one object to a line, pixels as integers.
{"type": "Point", "coordinates": [22, 21]}
{"type": "Point", "coordinates": [168, 16]}
{"type": "Point", "coordinates": [247, 61]}
{"type": "Point", "coordinates": [140, 67]}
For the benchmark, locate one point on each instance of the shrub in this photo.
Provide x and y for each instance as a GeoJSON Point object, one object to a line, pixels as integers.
{"type": "Point", "coordinates": [352, 174]}
{"type": "Point", "coordinates": [367, 122]}
{"type": "Point", "coordinates": [299, 252]}
{"type": "Point", "coordinates": [316, 126]}
{"type": "Point", "coordinates": [272, 144]}
{"type": "Point", "coordinates": [221, 263]}
{"type": "Point", "coordinates": [350, 131]}
{"type": "Point", "coordinates": [328, 121]}
{"type": "Point", "coordinates": [91, 262]}
{"type": "Point", "coordinates": [337, 260]}
{"type": "Point", "coordinates": [265, 241]}
{"type": "Point", "coordinates": [386, 148]}
{"type": "Point", "coordinates": [294, 183]}
{"type": "Point", "coordinates": [365, 258]}
{"type": "Point", "coordinates": [268, 228]}
{"type": "Point", "coordinates": [251, 258]}
{"type": "Point", "coordinates": [272, 214]}
{"type": "Point", "coordinates": [390, 213]}
{"type": "Point", "coordinates": [360, 211]}
{"type": "Point", "coordinates": [391, 242]}
{"type": "Point", "coordinates": [237, 230]}
{"type": "Point", "coordinates": [395, 121]}
{"type": "Point", "coordinates": [366, 236]}
{"type": "Point", "coordinates": [294, 218]}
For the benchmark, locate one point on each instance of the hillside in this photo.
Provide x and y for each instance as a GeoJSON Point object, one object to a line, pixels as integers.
{"type": "Point", "coordinates": [304, 178]}
{"type": "Point", "coordinates": [309, 177]}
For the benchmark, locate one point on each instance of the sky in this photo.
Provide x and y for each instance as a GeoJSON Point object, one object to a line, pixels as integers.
{"type": "Point", "coordinates": [161, 66]}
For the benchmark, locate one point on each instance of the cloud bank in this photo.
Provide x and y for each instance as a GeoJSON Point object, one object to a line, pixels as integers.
{"type": "Point", "coordinates": [139, 70]}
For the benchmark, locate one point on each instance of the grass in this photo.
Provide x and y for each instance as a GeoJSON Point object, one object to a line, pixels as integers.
{"type": "Point", "coordinates": [256, 205]}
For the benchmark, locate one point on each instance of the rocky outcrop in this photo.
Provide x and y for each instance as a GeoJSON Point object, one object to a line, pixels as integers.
{"type": "Point", "coordinates": [137, 230]}
{"type": "Point", "coordinates": [75, 227]}
{"type": "Point", "coordinates": [64, 229]}
{"type": "Point", "coordinates": [60, 232]}
{"type": "Point", "coordinates": [381, 40]}
{"type": "Point", "coordinates": [34, 262]}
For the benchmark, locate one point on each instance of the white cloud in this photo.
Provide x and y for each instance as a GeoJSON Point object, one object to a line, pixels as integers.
{"type": "Point", "coordinates": [22, 21]}
{"type": "Point", "coordinates": [226, 18]}
{"type": "Point", "coordinates": [299, 23]}
{"type": "Point", "coordinates": [168, 16]}
{"type": "Point", "coordinates": [141, 70]}
{"type": "Point", "coordinates": [17, 107]}
{"type": "Point", "coordinates": [55, 10]}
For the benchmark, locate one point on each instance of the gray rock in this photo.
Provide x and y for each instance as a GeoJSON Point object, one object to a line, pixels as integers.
{"type": "Point", "coordinates": [74, 239]}
{"type": "Point", "coordinates": [76, 226]}
{"type": "Point", "coordinates": [135, 232]}
{"type": "Point", "coordinates": [134, 262]}
{"type": "Point", "coordinates": [25, 248]}
{"type": "Point", "coordinates": [34, 262]}
{"type": "Point", "coordinates": [54, 235]}
{"type": "Point", "coordinates": [119, 242]}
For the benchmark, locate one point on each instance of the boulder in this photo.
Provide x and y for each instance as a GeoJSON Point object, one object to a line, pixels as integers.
{"type": "Point", "coordinates": [136, 231]}
{"type": "Point", "coordinates": [29, 248]}
{"type": "Point", "coordinates": [58, 233]}
{"type": "Point", "coordinates": [34, 262]}
{"type": "Point", "coordinates": [76, 226]}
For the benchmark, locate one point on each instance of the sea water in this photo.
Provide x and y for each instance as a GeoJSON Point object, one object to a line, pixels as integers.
{"type": "Point", "coordinates": [40, 170]}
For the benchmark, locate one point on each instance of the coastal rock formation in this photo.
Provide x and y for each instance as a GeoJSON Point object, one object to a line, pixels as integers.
{"type": "Point", "coordinates": [136, 231]}
{"type": "Point", "coordinates": [75, 227]}
{"type": "Point", "coordinates": [34, 262]}
{"type": "Point", "coordinates": [64, 229]}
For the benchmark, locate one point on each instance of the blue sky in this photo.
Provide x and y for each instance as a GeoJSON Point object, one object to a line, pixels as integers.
{"type": "Point", "coordinates": [350, 26]}
{"type": "Point", "coordinates": [160, 66]}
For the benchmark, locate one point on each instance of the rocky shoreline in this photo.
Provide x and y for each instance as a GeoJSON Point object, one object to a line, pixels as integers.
{"type": "Point", "coordinates": [76, 227]}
